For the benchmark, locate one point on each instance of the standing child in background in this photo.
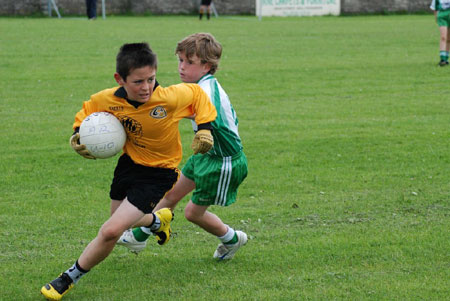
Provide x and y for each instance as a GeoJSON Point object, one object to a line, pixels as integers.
{"type": "Point", "coordinates": [215, 176]}
{"type": "Point", "coordinates": [147, 168]}
{"type": "Point", "coordinates": [442, 14]}
{"type": "Point", "coordinates": [91, 9]}
{"type": "Point", "coordinates": [205, 6]}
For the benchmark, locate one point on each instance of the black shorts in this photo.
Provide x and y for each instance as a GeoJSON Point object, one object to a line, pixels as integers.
{"type": "Point", "coordinates": [206, 2]}
{"type": "Point", "coordinates": [143, 186]}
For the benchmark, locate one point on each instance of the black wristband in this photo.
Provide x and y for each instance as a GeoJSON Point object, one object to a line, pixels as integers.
{"type": "Point", "coordinates": [205, 126]}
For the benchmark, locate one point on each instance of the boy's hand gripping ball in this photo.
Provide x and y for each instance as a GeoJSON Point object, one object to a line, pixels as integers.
{"type": "Point", "coordinates": [102, 135]}
{"type": "Point", "coordinates": [79, 148]}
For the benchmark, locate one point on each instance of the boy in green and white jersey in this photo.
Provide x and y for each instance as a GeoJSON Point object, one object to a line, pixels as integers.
{"type": "Point", "coordinates": [215, 176]}
{"type": "Point", "coordinates": [442, 14]}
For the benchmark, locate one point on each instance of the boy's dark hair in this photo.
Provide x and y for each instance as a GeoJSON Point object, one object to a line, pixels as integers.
{"type": "Point", "coordinates": [204, 46]}
{"type": "Point", "coordinates": [133, 56]}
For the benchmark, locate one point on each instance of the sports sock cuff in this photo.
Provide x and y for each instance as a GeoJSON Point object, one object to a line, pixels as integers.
{"type": "Point", "coordinates": [156, 224]}
{"type": "Point", "coordinates": [228, 236]}
{"type": "Point", "coordinates": [141, 233]}
{"type": "Point", "coordinates": [153, 221]}
{"type": "Point", "coordinates": [146, 230]}
{"type": "Point", "coordinates": [80, 268]}
{"type": "Point", "coordinates": [75, 272]}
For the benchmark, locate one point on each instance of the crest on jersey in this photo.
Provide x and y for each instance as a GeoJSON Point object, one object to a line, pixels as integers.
{"type": "Point", "coordinates": [159, 112]}
{"type": "Point", "coordinates": [132, 127]}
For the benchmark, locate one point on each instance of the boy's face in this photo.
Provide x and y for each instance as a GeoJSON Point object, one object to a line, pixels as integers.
{"type": "Point", "coordinates": [191, 69]}
{"type": "Point", "coordinates": [139, 83]}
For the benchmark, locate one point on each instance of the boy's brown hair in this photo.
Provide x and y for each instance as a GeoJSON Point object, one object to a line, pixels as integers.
{"type": "Point", "coordinates": [204, 46]}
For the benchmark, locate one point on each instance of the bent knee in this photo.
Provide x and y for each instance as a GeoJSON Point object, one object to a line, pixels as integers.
{"type": "Point", "coordinates": [108, 233]}
{"type": "Point", "coordinates": [190, 215]}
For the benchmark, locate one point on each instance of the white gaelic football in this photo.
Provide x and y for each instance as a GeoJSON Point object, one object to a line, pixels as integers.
{"type": "Point", "coordinates": [103, 134]}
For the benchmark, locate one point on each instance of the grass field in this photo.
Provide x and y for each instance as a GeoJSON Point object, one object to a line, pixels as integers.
{"type": "Point", "coordinates": [345, 122]}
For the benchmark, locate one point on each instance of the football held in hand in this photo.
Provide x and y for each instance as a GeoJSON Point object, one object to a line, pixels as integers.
{"type": "Point", "coordinates": [103, 135]}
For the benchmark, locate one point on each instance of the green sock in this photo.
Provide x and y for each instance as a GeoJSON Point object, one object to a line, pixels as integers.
{"type": "Point", "coordinates": [233, 240]}
{"type": "Point", "coordinates": [140, 235]}
{"type": "Point", "coordinates": [443, 55]}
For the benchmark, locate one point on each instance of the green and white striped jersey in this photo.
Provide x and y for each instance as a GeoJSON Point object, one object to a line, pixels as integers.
{"type": "Point", "coordinates": [225, 128]}
{"type": "Point", "coordinates": [440, 5]}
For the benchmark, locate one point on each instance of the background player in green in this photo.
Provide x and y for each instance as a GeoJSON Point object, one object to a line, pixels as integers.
{"type": "Point", "coordinates": [215, 176]}
{"type": "Point", "coordinates": [442, 13]}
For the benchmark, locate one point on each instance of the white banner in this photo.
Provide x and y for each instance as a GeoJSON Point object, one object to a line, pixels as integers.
{"type": "Point", "coordinates": [297, 7]}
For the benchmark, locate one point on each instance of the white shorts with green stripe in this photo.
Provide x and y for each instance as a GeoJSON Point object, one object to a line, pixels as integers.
{"type": "Point", "coordinates": [216, 178]}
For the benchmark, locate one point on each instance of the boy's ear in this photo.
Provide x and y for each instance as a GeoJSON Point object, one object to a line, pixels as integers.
{"type": "Point", "coordinates": [119, 79]}
{"type": "Point", "coordinates": [207, 67]}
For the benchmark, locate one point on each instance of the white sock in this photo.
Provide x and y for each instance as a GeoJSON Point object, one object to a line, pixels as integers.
{"type": "Point", "coordinates": [156, 223]}
{"type": "Point", "coordinates": [75, 272]}
{"type": "Point", "coordinates": [228, 236]}
{"type": "Point", "coordinates": [146, 230]}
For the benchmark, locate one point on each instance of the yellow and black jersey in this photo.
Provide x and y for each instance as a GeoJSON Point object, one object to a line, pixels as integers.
{"type": "Point", "coordinates": [153, 138]}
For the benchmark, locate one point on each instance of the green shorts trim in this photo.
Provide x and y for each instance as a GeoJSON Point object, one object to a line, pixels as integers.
{"type": "Point", "coordinates": [216, 178]}
{"type": "Point", "coordinates": [443, 18]}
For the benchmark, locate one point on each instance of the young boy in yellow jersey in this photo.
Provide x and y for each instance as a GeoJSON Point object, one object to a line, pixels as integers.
{"type": "Point", "coordinates": [215, 176]}
{"type": "Point", "coordinates": [147, 168]}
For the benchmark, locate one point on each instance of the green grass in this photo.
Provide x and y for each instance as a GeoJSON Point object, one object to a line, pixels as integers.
{"type": "Point", "coordinates": [345, 122]}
